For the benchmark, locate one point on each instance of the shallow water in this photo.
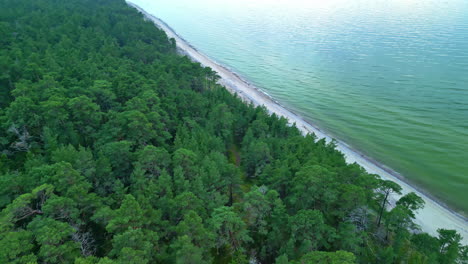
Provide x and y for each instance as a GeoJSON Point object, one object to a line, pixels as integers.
{"type": "Point", "coordinates": [388, 77]}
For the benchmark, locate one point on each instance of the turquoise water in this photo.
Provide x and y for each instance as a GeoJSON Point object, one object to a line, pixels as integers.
{"type": "Point", "coordinates": [388, 77]}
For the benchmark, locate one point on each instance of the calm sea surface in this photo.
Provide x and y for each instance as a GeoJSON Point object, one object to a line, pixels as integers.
{"type": "Point", "coordinates": [388, 77]}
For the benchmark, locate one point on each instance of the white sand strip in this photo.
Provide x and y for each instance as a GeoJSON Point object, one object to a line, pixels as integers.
{"type": "Point", "coordinates": [432, 217]}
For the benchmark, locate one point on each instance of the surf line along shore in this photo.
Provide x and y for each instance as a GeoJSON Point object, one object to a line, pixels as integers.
{"type": "Point", "coordinates": [430, 218]}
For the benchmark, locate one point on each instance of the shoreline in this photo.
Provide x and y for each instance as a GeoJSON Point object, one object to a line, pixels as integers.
{"type": "Point", "coordinates": [434, 215]}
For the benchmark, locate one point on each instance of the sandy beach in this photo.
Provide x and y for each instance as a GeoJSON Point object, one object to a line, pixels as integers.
{"type": "Point", "coordinates": [432, 217]}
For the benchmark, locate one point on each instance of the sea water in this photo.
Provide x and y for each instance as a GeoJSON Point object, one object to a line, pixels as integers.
{"type": "Point", "coordinates": [388, 77]}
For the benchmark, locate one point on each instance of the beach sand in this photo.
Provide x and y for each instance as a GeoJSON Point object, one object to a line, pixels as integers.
{"type": "Point", "coordinates": [432, 217]}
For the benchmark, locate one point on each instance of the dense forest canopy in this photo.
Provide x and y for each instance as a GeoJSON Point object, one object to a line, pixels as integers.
{"type": "Point", "coordinates": [115, 149]}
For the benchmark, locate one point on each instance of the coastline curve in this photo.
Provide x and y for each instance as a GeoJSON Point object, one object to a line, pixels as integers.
{"type": "Point", "coordinates": [433, 216]}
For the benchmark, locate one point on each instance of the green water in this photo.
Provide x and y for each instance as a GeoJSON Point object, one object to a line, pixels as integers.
{"type": "Point", "coordinates": [388, 77]}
